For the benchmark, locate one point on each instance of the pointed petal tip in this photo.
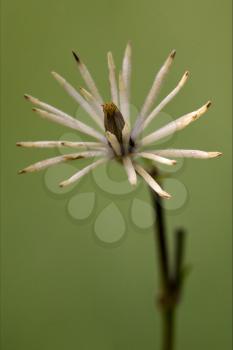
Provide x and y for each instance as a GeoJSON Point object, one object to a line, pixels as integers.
{"type": "Point", "coordinates": [173, 53]}
{"type": "Point", "coordinates": [208, 104]}
{"type": "Point", "coordinates": [55, 75]}
{"type": "Point", "coordinates": [215, 154]}
{"type": "Point", "coordinates": [184, 78]}
{"type": "Point", "coordinates": [76, 57]}
{"type": "Point", "coordinates": [22, 171]}
{"type": "Point", "coordinates": [165, 195]}
{"type": "Point", "coordinates": [26, 96]}
{"type": "Point", "coordinates": [58, 77]}
{"type": "Point", "coordinates": [31, 98]}
{"type": "Point", "coordinates": [133, 181]}
{"type": "Point", "coordinates": [129, 45]}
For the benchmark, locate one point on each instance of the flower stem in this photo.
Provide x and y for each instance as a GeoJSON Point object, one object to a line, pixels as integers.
{"type": "Point", "coordinates": [168, 329]}
{"type": "Point", "coordinates": [170, 278]}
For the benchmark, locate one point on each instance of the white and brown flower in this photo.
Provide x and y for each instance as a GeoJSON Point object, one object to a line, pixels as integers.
{"type": "Point", "coordinates": [114, 137]}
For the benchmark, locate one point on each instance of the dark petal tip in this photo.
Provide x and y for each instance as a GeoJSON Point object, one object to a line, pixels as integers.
{"type": "Point", "coordinates": [77, 59]}
{"type": "Point", "coordinates": [173, 53]}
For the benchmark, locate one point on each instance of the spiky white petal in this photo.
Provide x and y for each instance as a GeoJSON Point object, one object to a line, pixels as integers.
{"type": "Point", "coordinates": [82, 172]}
{"type": "Point", "coordinates": [45, 106]}
{"type": "Point", "coordinates": [78, 98]}
{"type": "Point", "coordinates": [113, 142]}
{"type": "Point", "coordinates": [153, 93]}
{"type": "Point", "coordinates": [124, 105]}
{"type": "Point", "coordinates": [151, 182]}
{"type": "Point", "coordinates": [59, 159]}
{"type": "Point", "coordinates": [87, 145]}
{"type": "Point", "coordinates": [70, 122]}
{"type": "Point", "coordinates": [55, 110]}
{"type": "Point", "coordinates": [187, 153]}
{"type": "Point", "coordinates": [130, 170]}
{"type": "Point", "coordinates": [175, 125]}
{"type": "Point", "coordinates": [126, 135]}
{"type": "Point", "coordinates": [156, 158]}
{"type": "Point", "coordinates": [88, 79]}
{"type": "Point", "coordinates": [57, 144]}
{"type": "Point", "coordinates": [166, 100]}
{"type": "Point", "coordinates": [92, 101]}
{"type": "Point", "coordinates": [112, 79]}
{"type": "Point", "coordinates": [126, 76]}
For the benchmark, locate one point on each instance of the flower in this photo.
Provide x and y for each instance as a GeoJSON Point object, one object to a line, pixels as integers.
{"type": "Point", "coordinates": [116, 139]}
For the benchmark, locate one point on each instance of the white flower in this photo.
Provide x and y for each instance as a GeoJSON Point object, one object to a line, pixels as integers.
{"type": "Point", "coordinates": [115, 138]}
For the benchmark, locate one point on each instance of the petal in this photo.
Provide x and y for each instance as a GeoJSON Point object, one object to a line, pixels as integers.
{"type": "Point", "coordinates": [187, 153]}
{"type": "Point", "coordinates": [156, 158]}
{"type": "Point", "coordinates": [82, 173]}
{"type": "Point", "coordinates": [78, 98]}
{"type": "Point", "coordinates": [175, 125]}
{"type": "Point", "coordinates": [165, 101]}
{"type": "Point", "coordinates": [88, 79]}
{"type": "Point", "coordinates": [132, 176]}
{"type": "Point", "coordinates": [70, 122]}
{"type": "Point", "coordinates": [153, 93]}
{"type": "Point", "coordinates": [59, 159]}
{"type": "Point", "coordinates": [112, 79]}
{"type": "Point", "coordinates": [151, 182]}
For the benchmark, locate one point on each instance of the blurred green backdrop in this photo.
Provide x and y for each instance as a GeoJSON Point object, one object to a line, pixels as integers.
{"type": "Point", "coordinates": [61, 288]}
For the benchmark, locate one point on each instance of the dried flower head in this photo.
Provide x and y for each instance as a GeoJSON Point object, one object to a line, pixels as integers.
{"type": "Point", "coordinates": [116, 139]}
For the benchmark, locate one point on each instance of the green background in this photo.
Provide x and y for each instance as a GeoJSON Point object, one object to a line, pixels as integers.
{"type": "Point", "coordinates": [61, 289]}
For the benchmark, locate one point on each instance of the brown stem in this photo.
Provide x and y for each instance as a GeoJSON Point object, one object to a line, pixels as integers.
{"type": "Point", "coordinates": [170, 280]}
{"type": "Point", "coordinates": [168, 329]}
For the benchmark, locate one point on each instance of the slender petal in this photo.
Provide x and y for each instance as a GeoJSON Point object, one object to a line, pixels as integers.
{"type": "Point", "coordinates": [79, 99]}
{"type": "Point", "coordinates": [112, 79]}
{"type": "Point", "coordinates": [153, 93]}
{"type": "Point", "coordinates": [132, 176]}
{"type": "Point", "coordinates": [52, 109]}
{"type": "Point", "coordinates": [151, 182]}
{"type": "Point", "coordinates": [88, 79]}
{"type": "Point", "coordinates": [113, 142]}
{"type": "Point", "coordinates": [86, 94]}
{"type": "Point", "coordinates": [60, 159]}
{"type": "Point", "coordinates": [82, 172]}
{"type": "Point", "coordinates": [124, 105]}
{"type": "Point", "coordinates": [57, 144]}
{"type": "Point", "coordinates": [166, 100]}
{"type": "Point", "coordinates": [187, 153]}
{"type": "Point", "coordinates": [44, 105]}
{"type": "Point", "coordinates": [126, 75]}
{"type": "Point", "coordinates": [70, 122]}
{"type": "Point", "coordinates": [175, 125]}
{"type": "Point", "coordinates": [92, 101]}
{"type": "Point", "coordinates": [87, 145]}
{"type": "Point", "coordinates": [126, 135]}
{"type": "Point", "coordinates": [156, 158]}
